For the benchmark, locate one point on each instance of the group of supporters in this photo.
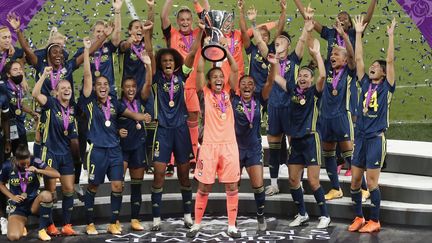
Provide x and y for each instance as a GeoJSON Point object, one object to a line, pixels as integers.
{"type": "Point", "coordinates": [166, 95]}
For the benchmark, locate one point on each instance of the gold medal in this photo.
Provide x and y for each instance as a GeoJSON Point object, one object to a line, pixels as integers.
{"type": "Point", "coordinates": [65, 132]}
{"type": "Point", "coordinates": [264, 66]}
{"type": "Point", "coordinates": [302, 102]}
{"type": "Point", "coordinates": [18, 112]}
{"type": "Point", "coordinates": [334, 92]}
{"type": "Point", "coordinates": [107, 123]}
{"type": "Point", "coordinates": [250, 125]}
{"type": "Point", "coordinates": [171, 103]}
{"type": "Point", "coordinates": [97, 73]}
{"type": "Point", "coordinates": [365, 110]}
{"type": "Point", "coordinates": [138, 126]}
{"type": "Point", "coordinates": [24, 195]}
{"type": "Point", "coordinates": [223, 116]}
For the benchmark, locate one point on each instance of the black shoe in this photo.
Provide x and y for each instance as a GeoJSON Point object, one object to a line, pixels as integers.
{"type": "Point", "coordinates": [234, 234]}
{"type": "Point", "coordinates": [150, 170]}
{"type": "Point", "coordinates": [193, 231]}
{"type": "Point", "coordinates": [155, 228]}
{"type": "Point", "coordinates": [170, 170]}
{"type": "Point", "coordinates": [192, 167]}
{"type": "Point", "coordinates": [262, 224]}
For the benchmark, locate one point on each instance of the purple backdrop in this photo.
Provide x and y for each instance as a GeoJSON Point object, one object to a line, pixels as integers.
{"type": "Point", "coordinates": [420, 12]}
{"type": "Point", "coordinates": [24, 8]}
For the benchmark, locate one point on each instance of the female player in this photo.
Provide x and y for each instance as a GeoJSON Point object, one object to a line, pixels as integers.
{"type": "Point", "coordinates": [305, 139]}
{"type": "Point", "coordinates": [377, 88]}
{"type": "Point", "coordinates": [132, 142]}
{"type": "Point", "coordinates": [59, 130]}
{"type": "Point", "coordinates": [219, 153]}
{"type": "Point", "coordinates": [104, 157]}
{"type": "Point", "coordinates": [172, 133]}
{"type": "Point", "coordinates": [21, 172]}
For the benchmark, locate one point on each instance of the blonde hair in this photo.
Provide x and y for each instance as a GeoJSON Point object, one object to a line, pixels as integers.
{"type": "Point", "coordinates": [56, 37]}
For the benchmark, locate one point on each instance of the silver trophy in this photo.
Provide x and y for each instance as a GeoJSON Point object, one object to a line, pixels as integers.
{"type": "Point", "coordinates": [215, 21]}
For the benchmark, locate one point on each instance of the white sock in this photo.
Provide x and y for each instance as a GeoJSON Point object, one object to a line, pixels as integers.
{"type": "Point", "coordinates": [156, 221]}
{"type": "Point", "coordinates": [187, 217]}
{"type": "Point", "coordinates": [273, 182]}
{"type": "Point", "coordinates": [232, 228]}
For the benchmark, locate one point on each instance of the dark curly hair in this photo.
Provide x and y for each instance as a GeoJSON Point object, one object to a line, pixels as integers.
{"type": "Point", "coordinates": [178, 59]}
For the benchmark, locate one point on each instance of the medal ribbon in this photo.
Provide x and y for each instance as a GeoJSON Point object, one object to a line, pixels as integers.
{"type": "Point", "coordinates": [23, 183]}
{"type": "Point", "coordinates": [3, 61]}
{"type": "Point", "coordinates": [65, 116]}
{"type": "Point", "coordinates": [282, 66]}
{"type": "Point", "coordinates": [369, 94]}
{"type": "Point", "coordinates": [106, 108]}
{"type": "Point", "coordinates": [97, 59]}
{"type": "Point", "coordinates": [186, 42]}
{"type": "Point", "coordinates": [55, 80]}
{"type": "Point", "coordinates": [300, 93]}
{"type": "Point", "coordinates": [131, 105]}
{"type": "Point", "coordinates": [231, 48]}
{"type": "Point", "coordinates": [221, 103]}
{"type": "Point", "coordinates": [18, 91]}
{"type": "Point", "coordinates": [249, 115]}
{"type": "Point", "coordinates": [336, 78]}
{"type": "Point", "coordinates": [138, 51]}
{"type": "Point", "coordinates": [340, 40]}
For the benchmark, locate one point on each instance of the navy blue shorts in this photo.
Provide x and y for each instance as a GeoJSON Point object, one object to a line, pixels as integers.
{"type": "Point", "coordinates": [369, 153]}
{"type": "Point", "coordinates": [173, 140]}
{"type": "Point", "coordinates": [135, 158]}
{"type": "Point", "coordinates": [278, 120]}
{"type": "Point", "coordinates": [150, 140]}
{"type": "Point", "coordinates": [22, 209]}
{"type": "Point", "coordinates": [338, 129]}
{"type": "Point", "coordinates": [62, 163]}
{"type": "Point", "coordinates": [251, 156]}
{"type": "Point", "coordinates": [104, 161]}
{"type": "Point", "coordinates": [305, 151]}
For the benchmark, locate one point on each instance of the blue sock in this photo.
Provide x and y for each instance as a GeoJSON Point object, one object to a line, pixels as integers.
{"type": "Point", "coordinates": [331, 168]}
{"type": "Point", "coordinates": [375, 204]}
{"type": "Point", "coordinates": [356, 197]}
{"type": "Point", "coordinates": [297, 195]}
{"type": "Point", "coordinates": [89, 199]}
{"type": "Point", "coordinates": [37, 150]}
{"type": "Point", "coordinates": [135, 197]}
{"type": "Point", "coordinates": [259, 195]}
{"type": "Point", "coordinates": [274, 159]}
{"type": "Point", "coordinates": [187, 199]}
{"type": "Point", "coordinates": [319, 198]}
{"type": "Point", "coordinates": [156, 199]}
{"type": "Point", "coordinates": [347, 155]}
{"type": "Point", "coordinates": [67, 206]}
{"type": "Point", "coordinates": [116, 201]}
{"type": "Point", "coordinates": [45, 210]}
{"type": "Point", "coordinates": [363, 185]}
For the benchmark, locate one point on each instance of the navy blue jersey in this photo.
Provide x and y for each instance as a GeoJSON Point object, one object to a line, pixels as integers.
{"type": "Point", "coordinates": [4, 101]}
{"type": "Point", "coordinates": [135, 137]}
{"type": "Point", "coordinates": [65, 73]}
{"type": "Point", "coordinates": [19, 53]}
{"type": "Point", "coordinates": [278, 97]}
{"type": "Point", "coordinates": [106, 67]}
{"type": "Point", "coordinates": [258, 65]}
{"type": "Point", "coordinates": [132, 66]}
{"type": "Point", "coordinates": [337, 105]}
{"type": "Point", "coordinates": [98, 133]}
{"type": "Point", "coordinates": [167, 116]}
{"type": "Point", "coordinates": [303, 117]}
{"type": "Point", "coordinates": [12, 95]}
{"type": "Point", "coordinates": [376, 120]}
{"type": "Point", "coordinates": [9, 174]}
{"type": "Point", "coordinates": [247, 137]}
{"type": "Point", "coordinates": [54, 136]}
{"type": "Point", "coordinates": [330, 34]}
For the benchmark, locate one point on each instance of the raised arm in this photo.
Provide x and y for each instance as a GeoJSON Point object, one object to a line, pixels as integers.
{"type": "Point", "coordinates": [390, 71]}
{"type": "Point", "coordinates": [148, 45]}
{"type": "Point", "coordinates": [189, 60]}
{"type": "Point", "coordinates": [165, 14]}
{"type": "Point", "coordinates": [315, 51]}
{"type": "Point", "coordinates": [146, 90]}
{"type": "Point", "coordinates": [370, 12]}
{"type": "Point", "coordinates": [15, 23]}
{"type": "Point", "coordinates": [282, 18]}
{"type": "Point", "coordinates": [88, 79]}
{"type": "Point", "coordinates": [262, 46]}
{"type": "Point", "coordinates": [306, 34]}
{"type": "Point", "coordinates": [317, 26]}
{"type": "Point", "coordinates": [116, 36]}
{"type": "Point", "coordinates": [242, 23]}
{"type": "Point", "coordinates": [274, 68]}
{"type": "Point", "coordinates": [97, 44]}
{"type": "Point", "coordinates": [41, 98]}
{"type": "Point", "coordinates": [233, 77]}
{"type": "Point", "coordinates": [349, 47]}
{"type": "Point", "coordinates": [151, 13]}
{"type": "Point", "coordinates": [200, 76]}
{"type": "Point", "coordinates": [359, 26]}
